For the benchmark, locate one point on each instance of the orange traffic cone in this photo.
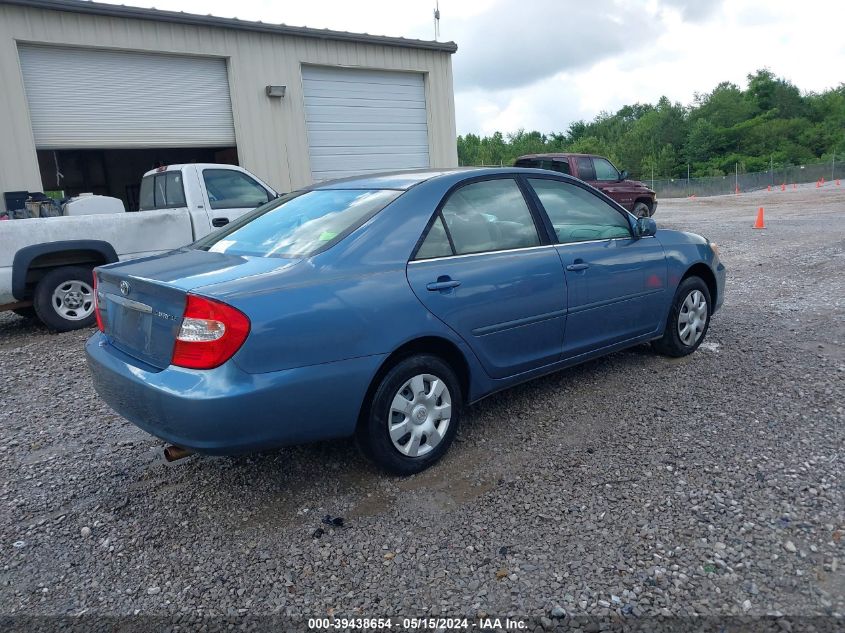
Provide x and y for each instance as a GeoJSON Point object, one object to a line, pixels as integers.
{"type": "Point", "coordinates": [837, 182]}
{"type": "Point", "coordinates": [783, 186]}
{"type": "Point", "coordinates": [794, 186]}
{"type": "Point", "coordinates": [769, 188]}
{"type": "Point", "coordinates": [737, 190]}
{"type": "Point", "coordinates": [761, 222]}
{"type": "Point", "coordinates": [818, 184]}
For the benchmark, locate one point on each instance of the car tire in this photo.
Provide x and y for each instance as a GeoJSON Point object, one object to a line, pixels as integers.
{"type": "Point", "coordinates": [26, 313]}
{"type": "Point", "coordinates": [413, 415]}
{"type": "Point", "coordinates": [642, 210]}
{"type": "Point", "coordinates": [688, 319]}
{"type": "Point", "coordinates": [64, 299]}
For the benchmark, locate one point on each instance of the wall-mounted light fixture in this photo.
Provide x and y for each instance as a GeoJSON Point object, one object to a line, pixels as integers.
{"type": "Point", "coordinates": [276, 91]}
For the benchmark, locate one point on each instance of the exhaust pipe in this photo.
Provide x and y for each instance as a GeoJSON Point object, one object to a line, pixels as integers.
{"type": "Point", "coordinates": [173, 453]}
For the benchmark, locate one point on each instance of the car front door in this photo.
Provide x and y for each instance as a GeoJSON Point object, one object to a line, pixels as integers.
{"type": "Point", "coordinates": [484, 270]}
{"type": "Point", "coordinates": [231, 193]}
{"type": "Point", "coordinates": [608, 181]}
{"type": "Point", "coordinates": [616, 281]}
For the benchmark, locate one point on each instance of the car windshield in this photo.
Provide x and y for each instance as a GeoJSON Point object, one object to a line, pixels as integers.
{"type": "Point", "coordinates": [299, 225]}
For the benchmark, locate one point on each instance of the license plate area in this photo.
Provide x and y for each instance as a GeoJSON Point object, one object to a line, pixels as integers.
{"type": "Point", "coordinates": [130, 324]}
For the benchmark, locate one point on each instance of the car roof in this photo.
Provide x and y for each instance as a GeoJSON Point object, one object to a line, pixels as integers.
{"type": "Point", "coordinates": [555, 155]}
{"type": "Point", "coordinates": [403, 180]}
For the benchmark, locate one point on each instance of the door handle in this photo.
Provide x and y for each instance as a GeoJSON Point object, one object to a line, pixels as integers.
{"type": "Point", "coordinates": [220, 222]}
{"type": "Point", "coordinates": [579, 266]}
{"type": "Point", "coordinates": [444, 283]}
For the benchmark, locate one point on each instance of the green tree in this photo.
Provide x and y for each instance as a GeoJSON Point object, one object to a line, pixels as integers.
{"type": "Point", "coordinates": [769, 121]}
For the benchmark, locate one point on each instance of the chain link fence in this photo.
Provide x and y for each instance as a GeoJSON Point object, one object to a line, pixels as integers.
{"type": "Point", "coordinates": [720, 185]}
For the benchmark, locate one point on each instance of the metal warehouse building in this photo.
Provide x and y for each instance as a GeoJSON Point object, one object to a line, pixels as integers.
{"type": "Point", "coordinates": [93, 95]}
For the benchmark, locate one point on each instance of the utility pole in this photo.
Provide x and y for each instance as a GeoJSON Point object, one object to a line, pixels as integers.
{"type": "Point", "coordinates": [736, 177]}
{"type": "Point", "coordinates": [688, 194]}
{"type": "Point", "coordinates": [833, 165]}
{"type": "Point", "coordinates": [772, 168]}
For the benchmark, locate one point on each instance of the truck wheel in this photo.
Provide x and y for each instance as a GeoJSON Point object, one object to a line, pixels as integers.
{"type": "Point", "coordinates": [642, 210]}
{"type": "Point", "coordinates": [64, 298]}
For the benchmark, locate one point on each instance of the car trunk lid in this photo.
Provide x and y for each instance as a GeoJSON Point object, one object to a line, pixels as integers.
{"type": "Point", "coordinates": [142, 303]}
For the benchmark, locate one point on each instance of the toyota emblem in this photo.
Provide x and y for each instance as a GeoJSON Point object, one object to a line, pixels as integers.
{"type": "Point", "coordinates": [124, 288]}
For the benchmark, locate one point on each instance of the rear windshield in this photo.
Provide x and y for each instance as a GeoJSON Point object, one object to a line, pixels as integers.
{"type": "Point", "coordinates": [561, 166]}
{"type": "Point", "coordinates": [299, 225]}
{"type": "Point", "coordinates": [162, 191]}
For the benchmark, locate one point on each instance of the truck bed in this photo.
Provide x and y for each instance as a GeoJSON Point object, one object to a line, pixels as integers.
{"type": "Point", "coordinates": [131, 234]}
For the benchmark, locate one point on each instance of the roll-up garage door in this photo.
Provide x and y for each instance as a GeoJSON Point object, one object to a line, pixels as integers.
{"type": "Point", "coordinates": [83, 97]}
{"type": "Point", "coordinates": [364, 121]}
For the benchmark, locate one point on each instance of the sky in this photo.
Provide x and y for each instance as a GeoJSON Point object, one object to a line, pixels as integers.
{"type": "Point", "coordinates": [542, 64]}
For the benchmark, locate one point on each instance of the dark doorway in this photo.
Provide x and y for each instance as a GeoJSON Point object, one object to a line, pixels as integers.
{"type": "Point", "coordinates": [117, 172]}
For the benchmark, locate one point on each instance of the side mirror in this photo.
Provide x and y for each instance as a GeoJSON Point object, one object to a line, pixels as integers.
{"type": "Point", "coordinates": [623, 175]}
{"type": "Point", "coordinates": [646, 227]}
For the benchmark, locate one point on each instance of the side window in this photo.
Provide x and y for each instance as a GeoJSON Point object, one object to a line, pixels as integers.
{"type": "Point", "coordinates": [577, 215]}
{"type": "Point", "coordinates": [585, 168]}
{"type": "Point", "coordinates": [491, 215]}
{"type": "Point", "coordinates": [436, 243]}
{"type": "Point", "coordinates": [228, 189]}
{"type": "Point", "coordinates": [605, 170]}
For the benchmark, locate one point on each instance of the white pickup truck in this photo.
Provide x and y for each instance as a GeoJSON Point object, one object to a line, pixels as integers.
{"type": "Point", "coordinates": [46, 263]}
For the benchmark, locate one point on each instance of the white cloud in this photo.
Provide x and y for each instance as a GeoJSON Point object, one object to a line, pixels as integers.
{"type": "Point", "coordinates": [541, 64]}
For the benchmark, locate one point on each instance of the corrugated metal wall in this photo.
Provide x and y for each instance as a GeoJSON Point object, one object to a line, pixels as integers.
{"type": "Point", "coordinates": [86, 97]}
{"type": "Point", "coordinates": [270, 133]}
{"type": "Point", "coordinates": [364, 121]}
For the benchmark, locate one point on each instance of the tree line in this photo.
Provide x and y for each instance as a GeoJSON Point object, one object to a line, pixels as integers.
{"type": "Point", "coordinates": [770, 121]}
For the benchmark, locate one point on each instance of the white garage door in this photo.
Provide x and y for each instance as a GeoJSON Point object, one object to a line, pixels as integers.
{"type": "Point", "coordinates": [82, 97]}
{"type": "Point", "coordinates": [364, 121]}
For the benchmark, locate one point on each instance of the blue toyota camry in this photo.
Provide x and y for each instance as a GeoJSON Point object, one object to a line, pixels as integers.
{"type": "Point", "coordinates": [379, 306]}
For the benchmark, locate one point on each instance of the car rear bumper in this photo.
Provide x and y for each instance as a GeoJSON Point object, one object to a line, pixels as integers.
{"type": "Point", "coordinates": [226, 411]}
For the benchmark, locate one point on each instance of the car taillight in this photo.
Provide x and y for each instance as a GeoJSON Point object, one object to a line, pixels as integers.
{"type": "Point", "coordinates": [97, 306]}
{"type": "Point", "coordinates": [210, 335]}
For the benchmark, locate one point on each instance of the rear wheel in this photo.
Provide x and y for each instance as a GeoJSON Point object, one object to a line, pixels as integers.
{"type": "Point", "coordinates": [688, 319]}
{"type": "Point", "coordinates": [642, 210]}
{"type": "Point", "coordinates": [413, 416]}
{"type": "Point", "coordinates": [64, 298]}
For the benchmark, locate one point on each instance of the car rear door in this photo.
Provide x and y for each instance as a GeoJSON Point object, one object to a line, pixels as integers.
{"type": "Point", "coordinates": [230, 193]}
{"type": "Point", "coordinates": [616, 282]}
{"type": "Point", "coordinates": [485, 269]}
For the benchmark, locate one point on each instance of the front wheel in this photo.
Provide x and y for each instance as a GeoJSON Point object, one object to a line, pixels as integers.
{"type": "Point", "coordinates": [688, 319]}
{"type": "Point", "coordinates": [64, 298]}
{"type": "Point", "coordinates": [642, 210]}
{"type": "Point", "coordinates": [413, 416]}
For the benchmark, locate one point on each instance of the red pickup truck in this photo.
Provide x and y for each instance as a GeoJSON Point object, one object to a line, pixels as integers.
{"type": "Point", "coordinates": [601, 174]}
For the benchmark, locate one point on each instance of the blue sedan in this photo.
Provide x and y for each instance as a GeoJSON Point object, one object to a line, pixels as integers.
{"type": "Point", "coordinates": [379, 306]}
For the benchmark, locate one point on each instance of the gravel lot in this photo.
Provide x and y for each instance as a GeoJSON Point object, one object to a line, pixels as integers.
{"type": "Point", "coordinates": [633, 485]}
